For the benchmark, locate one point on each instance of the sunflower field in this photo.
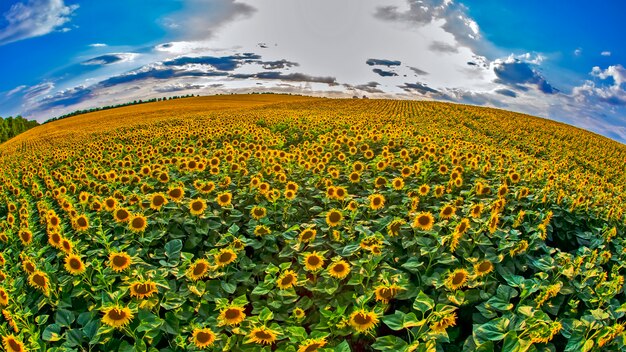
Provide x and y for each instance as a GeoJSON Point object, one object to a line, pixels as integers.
{"type": "Point", "coordinates": [283, 223]}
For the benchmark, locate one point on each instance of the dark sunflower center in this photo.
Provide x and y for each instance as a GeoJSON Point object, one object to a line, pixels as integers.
{"type": "Point", "coordinates": [122, 214]}
{"type": "Point", "coordinates": [3, 295]}
{"type": "Point", "coordinates": [226, 256]}
{"type": "Point", "coordinates": [120, 261]}
{"type": "Point", "coordinates": [458, 278]}
{"type": "Point", "coordinates": [462, 227]}
{"type": "Point", "coordinates": [117, 314]}
{"type": "Point", "coordinates": [447, 211]}
{"type": "Point", "coordinates": [110, 203]}
{"type": "Point", "coordinates": [175, 193]}
{"type": "Point", "coordinates": [314, 260]}
{"type": "Point", "coordinates": [15, 346]}
{"type": "Point", "coordinates": [25, 236]}
{"type": "Point", "coordinates": [224, 198]}
{"type": "Point", "coordinates": [197, 206]}
{"type": "Point", "coordinates": [158, 201]}
{"type": "Point", "coordinates": [259, 212]}
{"type": "Point", "coordinates": [287, 280]}
{"type": "Point", "coordinates": [29, 267]}
{"type": "Point", "coordinates": [307, 235]}
{"type": "Point", "coordinates": [339, 268]}
{"type": "Point", "coordinates": [313, 347]}
{"type": "Point", "coordinates": [203, 337]}
{"type": "Point", "coordinates": [40, 280]}
{"type": "Point", "coordinates": [199, 269]}
{"type": "Point", "coordinates": [232, 314]}
{"type": "Point", "coordinates": [423, 220]}
{"type": "Point", "coordinates": [334, 217]}
{"type": "Point", "coordinates": [82, 222]}
{"type": "Point", "coordinates": [54, 221]}
{"type": "Point", "coordinates": [362, 319]}
{"type": "Point", "coordinates": [484, 267]}
{"type": "Point", "coordinates": [263, 335]}
{"type": "Point", "coordinates": [75, 264]}
{"type": "Point", "coordinates": [138, 223]}
{"type": "Point", "coordinates": [385, 292]}
{"type": "Point", "coordinates": [143, 288]}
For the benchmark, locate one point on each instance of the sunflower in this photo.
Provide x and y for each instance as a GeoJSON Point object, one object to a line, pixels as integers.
{"type": "Point", "coordinates": [385, 293]}
{"type": "Point", "coordinates": [4, 297]}
{"type": "Point", "coordinates": [339, 269]}
{"type": "Point", "coordinates": [28, 266]}
{"type": "Point", "coordinates": [66, 246]}
{"type": "Point", "coordinates": [442, 322]}
{"type": "Point", "coordinates": [39, 280]}
{"type": "Point", "coordinates": [397, 183]}
{"type": "Point", "coordinates": [81, 223]}
{"type": "Point", "coordinates": [423, 190]}
{"type": "Point", "coordinates": [362, 320]}
{"type": "Point", "coordinates": [207, 187]}
{"type": "Point", "coordinates": [258, 212]}
{"type": "Point", "coordinates": [12, 344]}
{"type": "Point", "coordinates": [231, 315]}
{"type": "Point", "coordinates": [197, 206]}
{"type": "Point", "coordinates": [262, 335]}
{"type": "Point", "coordinates": [476, 210]}
{"type": "Point", "coordinates": [483, 268]}
{"type": "Point", "coordinates": [333, 217]}
{"type": "Point", "coordinates": [393, 228]}
{"type": "Point", "coordinates": [261, 230]}
{"type": "Point", "coordinates": [494, 220]}
{"type": "Point", "coordinates": [157, 201]}
{"type": "Point", "coordinates": [138, 223]}
{"type": "Point", "coordinates": [377, 201]}
{"type": "Point", "coordinates": [74, 265]}
{"type": "Point", "coordinates": [176, 194]}
{"type": "Point", "coordinates": [121, 215]}
{"type": "Point", "coordinates": [456, 279]}
{"type": "Point", "coordinates": [312, 345]}
{"type": "Point", "coordinates": [380, 182]}
{"type": "Point", "coordinates": [424, 221]}
{"type": "Point", "coordinates": [307, 235]}
{"type": "Point", "coordinates": [462, 227]}
{"type": "Point", "coordinates": [287, 280]}
{"type": "Point", "coordinates": [119, 261]}
{"type": "Point", "coordinates": [143, 289]}
{"type": "Point", "coordinates": [26, 237]}
{"type": "Point", "coordinates": [447, 211]}
{"type": "Point", "coordinates": [224, 199]}
{"type": "Point", "coordinates": [354, 177]}
{"type": "Point", "coordinates": [313, 261]}
{"type": "Point", "coordinates": [203, 337]}
{"type": "Point", "coordinates": [117, 316]}
{"type": "Point", "coordinates": [198, 269]}
{"type": "Point", "coordinates": [2, 260]}
{"type": "Point", "coordinates": [439, 190]}
{"type": "Point", "coordinates": [224, 257]}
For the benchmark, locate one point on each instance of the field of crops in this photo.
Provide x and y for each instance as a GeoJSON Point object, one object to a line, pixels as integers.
{"type": "Point", "coordinates": [283, 223]}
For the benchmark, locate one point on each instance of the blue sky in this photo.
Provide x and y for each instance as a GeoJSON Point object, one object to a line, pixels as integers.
{"type": "Point", "coordinates": [558, 60]}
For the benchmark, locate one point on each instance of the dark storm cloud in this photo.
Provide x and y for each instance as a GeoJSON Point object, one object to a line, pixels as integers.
{"type": "Point", "coordinates": [384, 73]}
{"type": "Point", "coordinates": [417, 71]}
{"type": "Point", "coordinates": [383, 62]}
{"type": "Point", "coordinates": [295, 77]}
{"type": "Point", "coordinates": [507, 92]}
{"type": "Point", "coordinates": [273, 65]}
{"type": "Point", "coordinates": [156, 73]}
{"type": "Point", "coordinates": [516, 73]}
{"type": "Point", "coordinates": [418, 87]}
{"type": "Point", "coordinates": [105, 59]}
{"type": "Point", "coordinates": [443, 47]}
{"type": "Point", "coordinates": [369, 87]}
{"type": "Point", "coordinates": [223, 63]}
{"type": "Point", "coordinates": [65, 97]}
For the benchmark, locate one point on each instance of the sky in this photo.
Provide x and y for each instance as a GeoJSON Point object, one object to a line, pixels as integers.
{"type": "Point", "coordinates": [559, 60]}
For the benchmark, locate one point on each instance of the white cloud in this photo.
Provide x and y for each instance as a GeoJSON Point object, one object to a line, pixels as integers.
{"type": "Point", "coordinates": [578, 51]}
{"type": "Point", "coordinates": [605, 53]}
{"type": "Point", "coordinates": [35, 18]}
{"type": "Point", "coordinates": [97, 45]}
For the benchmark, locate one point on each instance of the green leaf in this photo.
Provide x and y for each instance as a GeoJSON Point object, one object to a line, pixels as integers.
{"type": "Point", "coordinates": [266, 315]}
{"type": "Point", "coordinates": [423, 303]}
{"type": "Point", "coordinates": [494, 330]}
{"type": "Point", "coordinates": [389, 343]}
{"type": "Point", "coordinates": [228, 287]}
{"type": "Point", "coordinates": [394, 321]}
{"type": "Point", "coordinates": [343, 347]}
{"type": "Point", "coordinates": [64, 317]}
{"type": "Point", "coordinates": [52, 333]}
{"type": "Point", "coordinates": [172, 250]}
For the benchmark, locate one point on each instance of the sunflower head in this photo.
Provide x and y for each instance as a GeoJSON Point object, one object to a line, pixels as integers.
{"type": "Point", "coordinates": [287, 280]}
{"type": "Point", "coordinates": [312, 345]}
{"type": "Point", "coordinates": [362, 320]}
{"type": "Point", "coordinates": [483, 268]}
{"type": "Point", "coordinates": [117, 316]}
{"type": "Point", "coordinates": [39, 280]}
{"type": "Point", "coordinates": [456, 279]}
{"type": "Point", "coordinates": [157, 201]}
{"type": "Point", "coordinates": [258, 212]}
{"type": "Point", "coordinates": [74, 265]}
{"type": "Point", "coordinates": [198, 269]}
{"type": "Point", "coordinates": [339, 269]}
{"type": "Point", "coordinates": [262, 335]}
{"type": "Point", "coordinates": [424, 221]}
{"type": "Point", "coordinates": [307, 235]}
{"type": "Point", "coordinates": [119, 261]}
{"type": "Point", "coordinates": [334, 217]}
{"type": "Point", "coordinates": [4, 297]}
{"type": "Point", "coordinates": [203, 337]}
{"type": "Point", "coordinates": [224, 257]}
{"type": "Point", "coordinates": [138, 223]}
{"type": "Point", "coordinates": [12, 344]}
{"type": "Point", "coordinates": [121, 215]}
{"type": "Point", "coordinates": [143, 289]}
{"type": "Point", "coordinates": [377, 201]}
{"type": "Point", "coordinates": [231, 315]}
{"type": "Point", "coordinates": [224, 199]}
{"type": "Point", "coordinates": [197, 206]}
{"type": "Point", "coordinates": [313, 261]}
{"type": "Point", "coordinates": [176, 194]}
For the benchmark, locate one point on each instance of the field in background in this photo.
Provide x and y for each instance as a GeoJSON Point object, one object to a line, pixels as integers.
{"type": "Point", "coordinates": [301, 224]}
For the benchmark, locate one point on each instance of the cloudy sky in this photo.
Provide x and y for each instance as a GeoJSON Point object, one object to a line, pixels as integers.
{"type": "Point", "coordinates": [545, 58]}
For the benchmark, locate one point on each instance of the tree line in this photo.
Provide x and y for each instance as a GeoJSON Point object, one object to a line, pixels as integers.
{"type": "Point", "coordinates": [12, 126]}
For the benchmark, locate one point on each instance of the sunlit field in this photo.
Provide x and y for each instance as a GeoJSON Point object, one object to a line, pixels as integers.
{"type": "Point", "coordinates": [288, 223]}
